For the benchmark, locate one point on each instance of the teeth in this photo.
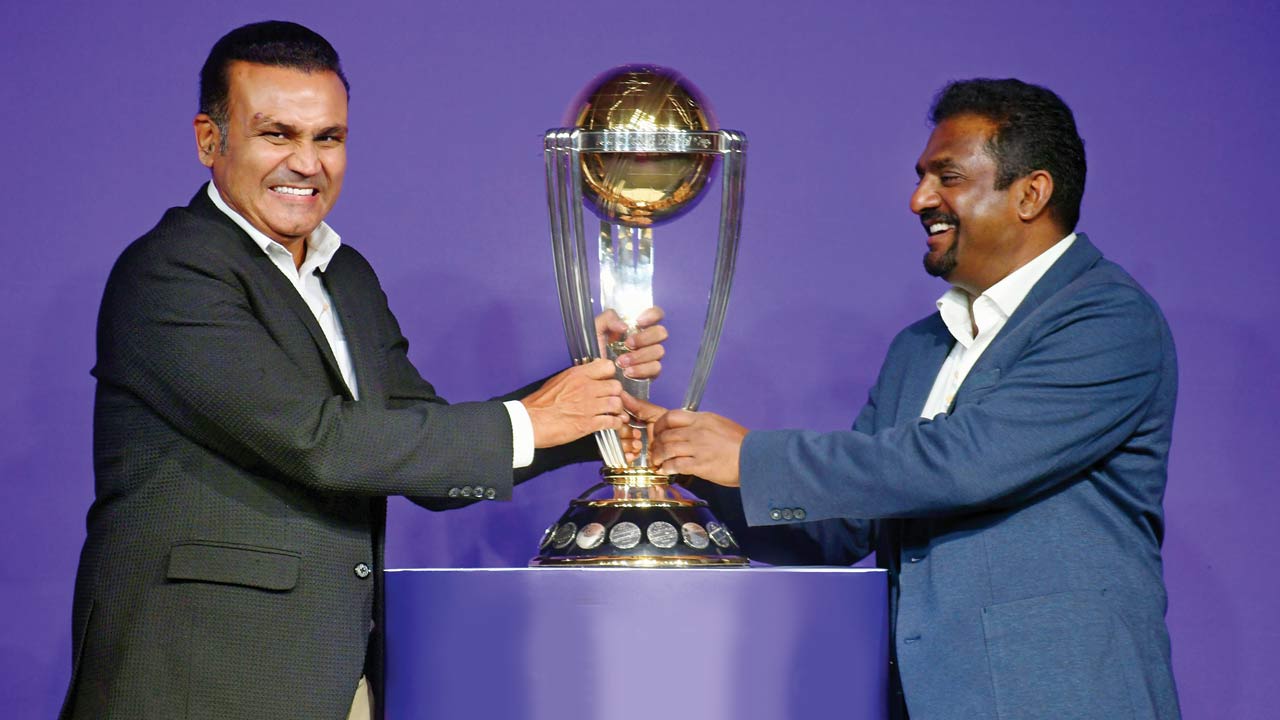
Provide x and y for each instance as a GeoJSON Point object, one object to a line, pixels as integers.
{"type": "Point", "coordinates": [293, 191]}
{"type": "Point", "coordinates": [936, 228]}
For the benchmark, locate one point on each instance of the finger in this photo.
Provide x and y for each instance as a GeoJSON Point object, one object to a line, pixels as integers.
{"type": "Point", "coordinates": [642, 410]}
{"type": "Point", "coordinates": [608, 321]}
{"type": "Point", "coordinates": [645, 371]}
{"type": "Point", "coordinates": [647, 337]}
{"type": "Point", "coordinates": [674, 419]}
{"type": "Point", "coordinates": [606, 422]}
{"type": "Point", "coordinates": [676, 447]}
{"type": "Point", "coordinates": [648, 354]}
{"type": "Point", "coordinates": [676, 435]}
{"type": "Point", "coordinates": [650, 316]}
{"type": "Point", "coordinates": [676, 466]}
{"type": "Point", "coordinates": [664, 452]}
{"type": "Point", "coordinates": [608, 388]}
{"type": "Point", "coordinates": [611, 405]}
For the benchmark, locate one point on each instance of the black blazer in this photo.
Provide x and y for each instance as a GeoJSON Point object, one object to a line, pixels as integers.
{"type": "Point", "coordinates": [241, 491]}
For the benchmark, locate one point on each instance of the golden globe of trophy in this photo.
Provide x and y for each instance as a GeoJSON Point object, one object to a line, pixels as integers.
{"type": "Point", "coordinates": [641, 149]}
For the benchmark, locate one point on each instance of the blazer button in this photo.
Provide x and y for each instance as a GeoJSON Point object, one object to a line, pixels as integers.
{"type": "Point", "coordinates": [362, 570]}
{"type": "Point", "coordinates": [490, 493]}
{"type": "Point", "coordinates": [479, 491]}
{"type": "Point", "coordinates": [775, 514]}
{"type": "Point", "coordinates": [453, 492]}
{"type": "Point", "coordinates": [799, 514]}
{"type": "Point", "coordinates": [466, 492]}
{"type": "Point", "coordinates": [787, 514]}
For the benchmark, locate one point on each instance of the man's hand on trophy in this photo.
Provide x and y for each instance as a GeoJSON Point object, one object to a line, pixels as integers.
{"type": "Point", "coordinates": [697, 443]}
{"type": "Point", "coordinates": [640, 353]}
{"type": "Point", "coordinates": [574, 403]}
{"type": "Point", "coordinates": [641, 412]}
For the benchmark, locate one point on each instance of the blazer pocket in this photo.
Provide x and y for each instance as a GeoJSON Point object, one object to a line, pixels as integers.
{"type": "Point", "coordinates": [976, 385]}
{"type": "Point", "coordinates": [230, 564]}
{"type": "Point", "coordinates": [1058, 655]}
{"type": "Point", "coordinates": [984, 379]}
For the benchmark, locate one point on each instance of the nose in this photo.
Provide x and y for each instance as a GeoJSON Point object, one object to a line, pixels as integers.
{"type": "Point", "coordinates": [305, 159]}
{"type": "Point", "coordinates": [924, 197]}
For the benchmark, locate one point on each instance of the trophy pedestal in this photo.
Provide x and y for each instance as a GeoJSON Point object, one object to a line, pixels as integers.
{"type": "Point", "coordinates": [636, 644]}
{"type": "Point", "coordinates": [636, 518]}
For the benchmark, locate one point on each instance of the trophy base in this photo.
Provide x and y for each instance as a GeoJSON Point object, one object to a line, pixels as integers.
{"type": "Point", "coordinates": [636, 518]}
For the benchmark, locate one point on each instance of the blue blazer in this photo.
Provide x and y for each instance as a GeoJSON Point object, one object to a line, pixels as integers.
{"type": "Point", "coordinates": [1021, 529]}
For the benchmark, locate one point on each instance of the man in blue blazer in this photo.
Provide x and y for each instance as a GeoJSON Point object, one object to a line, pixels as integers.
{"type": "Point", "coordinates": [1009, 466]}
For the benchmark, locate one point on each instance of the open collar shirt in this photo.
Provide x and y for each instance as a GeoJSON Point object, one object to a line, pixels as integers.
{"type": "Point", "coordinates": [988, 312]}
{"type": "Point", "coordinates": [321, 246]}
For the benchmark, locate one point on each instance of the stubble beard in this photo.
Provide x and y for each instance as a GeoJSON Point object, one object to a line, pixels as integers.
{"type": "Point", "coordinates": [943, 266]}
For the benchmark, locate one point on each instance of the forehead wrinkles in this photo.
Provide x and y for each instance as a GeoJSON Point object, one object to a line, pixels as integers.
{"type": "Point", "coordinates": [307, 101]}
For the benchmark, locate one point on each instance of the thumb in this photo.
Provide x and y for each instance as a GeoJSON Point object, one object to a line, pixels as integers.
{"type": "Point", "coordinates": [642, 410]}
{"type": "Point", "coordinates": [599, 369]}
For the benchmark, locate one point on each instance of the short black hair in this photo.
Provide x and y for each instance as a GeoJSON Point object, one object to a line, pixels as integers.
{"type": "Point", "coordinates": [272, 42]}
{"type": "Point", "coordinates": [1035, 130]}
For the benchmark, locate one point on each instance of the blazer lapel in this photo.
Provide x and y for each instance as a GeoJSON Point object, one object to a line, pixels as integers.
{"type": "Point", "coordinates": [280, 285]}
{"type": "Point", "coordinates": [1078, 258]}
{"type": "Point", "coordinates": [1081, 256]}
{"type": "Point", "coordinates": [933, 344]}
{"type": "Point", "coordinates": [357, 327]}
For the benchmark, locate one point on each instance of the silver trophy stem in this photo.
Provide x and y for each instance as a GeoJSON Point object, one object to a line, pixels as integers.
{"type": "Point", "coordinates": [731, 197]}
{"type": "Point", "coordinates": [626, 286]}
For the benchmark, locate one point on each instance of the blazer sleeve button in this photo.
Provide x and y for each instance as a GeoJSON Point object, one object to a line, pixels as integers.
{"type": "Point", "coordinates": [362, 570]}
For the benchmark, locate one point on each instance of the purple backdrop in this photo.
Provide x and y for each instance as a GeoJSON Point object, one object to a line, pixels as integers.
{"type": "Point", "coordinates": [445, 196]}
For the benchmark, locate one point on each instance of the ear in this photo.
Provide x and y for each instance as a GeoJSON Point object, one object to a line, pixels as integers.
{"type": "Point", "coordinates": [208, 139]}
{"type": "Point", "coordinates": [1032, 194]}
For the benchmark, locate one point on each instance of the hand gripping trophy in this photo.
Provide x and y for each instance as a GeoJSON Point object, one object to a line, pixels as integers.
{"type": "Point", "coordinates": [642, 150]}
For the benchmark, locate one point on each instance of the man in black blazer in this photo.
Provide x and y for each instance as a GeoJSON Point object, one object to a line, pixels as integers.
{"type": "Point", "coordinates": [256, 405]}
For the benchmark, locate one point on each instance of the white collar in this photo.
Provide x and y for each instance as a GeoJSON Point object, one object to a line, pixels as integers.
{"type": "Point", "coordinates": [1000, 300]}
{"type": "Point", "coordinates": [321, 246]}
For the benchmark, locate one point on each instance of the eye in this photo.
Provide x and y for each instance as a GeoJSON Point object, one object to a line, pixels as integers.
{"type": "Point", "coordinates": [950, 178]}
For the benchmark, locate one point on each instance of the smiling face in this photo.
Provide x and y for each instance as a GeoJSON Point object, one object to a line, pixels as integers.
{"type": "Point", "coordinates": [974, 230]}
{"type": "Point", "coordinates": [281, 163]}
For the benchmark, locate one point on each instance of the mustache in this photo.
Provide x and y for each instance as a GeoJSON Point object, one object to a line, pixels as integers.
{"type": "Point", "coordinates": [296, 180]}
{"type": "Point", "coordinates": [931, 216]}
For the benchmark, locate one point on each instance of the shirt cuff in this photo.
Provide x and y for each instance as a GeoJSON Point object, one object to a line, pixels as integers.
{"type": "Point", "coordinates": [521, 434]}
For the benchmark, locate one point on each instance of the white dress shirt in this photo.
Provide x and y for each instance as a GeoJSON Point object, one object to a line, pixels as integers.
{"type": "Point", "coordinates": [988, 312]}
{"type": "Point", "coordinates": [321, 246]}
